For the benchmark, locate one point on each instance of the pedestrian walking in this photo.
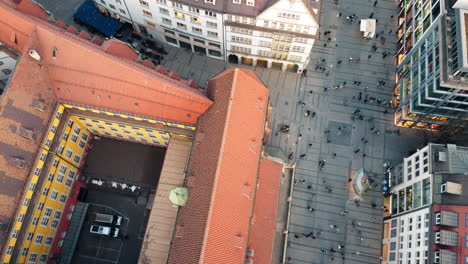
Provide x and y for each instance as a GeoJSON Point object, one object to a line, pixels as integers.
{"type": "Point", "coordinates": [357, 150]}
{"type": "Point", "coordinates": [375, 2]}
{"type": "Point", "coordinates": [339, 14]}
{"type": "Point", "coordinates": [343, 212]}
{"type": "Point", "coordinates": [309, 187]}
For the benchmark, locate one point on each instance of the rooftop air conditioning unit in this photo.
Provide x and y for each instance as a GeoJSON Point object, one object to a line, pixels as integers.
{"type": "Point", "coordinates": [437, 218]}
{"type": "Point", "coordinates": [437, 238]}
{"type": "Point", "coordinates": [41, 106]}
{"type": "Point", "coordinates": [17, 162]}
{"type": "Point", "coordinates": [442, 156]}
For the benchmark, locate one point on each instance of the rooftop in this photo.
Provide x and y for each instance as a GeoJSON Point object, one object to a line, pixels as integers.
{"type": "Point", "coordinates": [62, 72]}
{"type": "Point", "coordinates": [214, 225]}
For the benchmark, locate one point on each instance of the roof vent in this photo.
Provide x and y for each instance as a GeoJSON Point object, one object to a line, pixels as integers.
{"type": "Point", "coordinates": [34, 55]}
{"type": "Point", "coordinates": [250, 252]}
{"type": "Point", "coordinates": [248, 261]}
{"type": "Point", "coordinates": [441, 156]}
{"type": "Point", "coordinates": [17, 162]}
{"type": "Point", "coordinates": [41, 106]}
{"type": "Point", "coordinates": [27, 133]}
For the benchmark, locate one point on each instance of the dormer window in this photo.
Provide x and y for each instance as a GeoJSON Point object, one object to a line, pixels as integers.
{"type": "Point", "coordinates": [237, 1]}
{"type": "Point", "coordinates": [210, 2]}
{"type": "Point", "coordinates": [250, 2]}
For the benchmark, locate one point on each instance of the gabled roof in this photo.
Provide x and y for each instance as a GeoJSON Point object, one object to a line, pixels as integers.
{"type": "Point", "coordinates": [224, 171]}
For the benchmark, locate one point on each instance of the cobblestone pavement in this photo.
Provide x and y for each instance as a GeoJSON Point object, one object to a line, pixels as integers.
{"type": "Point", "coordinates": [360, 229]}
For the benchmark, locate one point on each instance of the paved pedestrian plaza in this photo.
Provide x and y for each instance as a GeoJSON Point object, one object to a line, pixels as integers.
{"type": "Point", "coordinates": [347, 85]}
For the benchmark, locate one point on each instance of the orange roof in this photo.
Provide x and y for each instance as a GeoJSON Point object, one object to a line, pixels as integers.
{"type": "Point", "coordinates": [262, 230]}
{"type": "Point", "coordinates": [83, 73]}
{"type": "Point", "coordinates": [224, 169]}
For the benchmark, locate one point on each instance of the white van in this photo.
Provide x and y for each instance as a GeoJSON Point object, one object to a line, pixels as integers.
{"type": "Point", "coordinates": [104, 230]}
{"type": "Point", "coordinates": [109, 219]}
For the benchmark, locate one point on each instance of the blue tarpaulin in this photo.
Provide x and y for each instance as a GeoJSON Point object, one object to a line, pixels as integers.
{"type": "Point", "coordinates": [89, 14]}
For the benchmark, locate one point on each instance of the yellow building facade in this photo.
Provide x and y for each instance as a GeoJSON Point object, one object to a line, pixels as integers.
{"type": "Point", "coordinates": [69, 134]}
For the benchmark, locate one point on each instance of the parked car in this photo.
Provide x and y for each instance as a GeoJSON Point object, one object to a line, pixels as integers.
{"type": "Point", "coordinates": [109, 219]}
{"type": "Point", "coordinates": [104, 230]}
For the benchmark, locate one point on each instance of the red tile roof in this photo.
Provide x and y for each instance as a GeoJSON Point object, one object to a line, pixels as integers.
{"type": "Point", "coordinates": [224, 170]}
{"type": "Point", "coordinates": [80, 73]}
{"type": "Point", "coordinates": [116, 83]}
{"type": "Point", "coordinates": [262, 230]}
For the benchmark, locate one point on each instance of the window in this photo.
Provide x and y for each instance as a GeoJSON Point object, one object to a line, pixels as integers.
{"type": "Point", "coordinates": [35, 221]}
{"type": "Point", "coordinates": [163, 11]}
{"type": "Point", "coordinates": [69, 153]}
{"type": "Point", "coordinates": [74, 137]}
{"type": "Point", "coordinates": [48, 211]}
{"type": "Point", "coordinates": [211, 24]}
{"type": "Point", "coordinates": [54, 195]}
{"type": "Point", "coordinates": [55, 164]}
{"type": "Point", "coordinates": [32, 257]}
{"type": "Point", "coordinates": [40, 206]}
{"type": "Point", "coordinates": [57, 215]}
{"type": "Point", "coordinates": [123, 12]}
{"type": "Point", "coordinates": [38, 239]}
{"type": "Point", "coordinates": [182, 26]}
{"type": "Point", "coordinates": [14, 234]}
{"type": "Point", "coordinates": [82, 143]}
{"type": "Point", "coordinates": [48, 241]}
{"type": "Point", "coordinates": [63, 198]}
{"type": "Point", "coordinates": [60, 178]}
{"type": "Point", "coordinates": [144, 3]}
{"type": "Point", "coordinates": [166, 21]}
{"type": "Point", "coordinates": [466, 259]}
{"type": "Point", "coordinates": [43, 258]}
{"type": "Point", "coordinates": [30, 236]}
{"type": "Point", "coordinates": [45, 191]}
{"type": "Point", "coordinates": [112, 6]}
{"type": "Point", "coordinates": [9, 250]}
{"type": "Point", "coordinates": [177, 5]}
{"type": "Point", "coordinates": [171, 40]}
{"type": "Point", "coordinates": [209, 13]}
{"type": "Point", "coordinates": [197, 30]}
{"type": "Point", "coordinates": [210, 2]}
{"type": "Point", "coordinates": [54, 223]}
{"type": "Point", "coordinates": [466, 240]}
{"type": "Point", "coordinates": [32, 185]}
{"type": "Point", "coordinates": [250, 3]}
{"type": "Point", "coordinates": [26, 201]}
{"type": "Point", "coordinates": [24, 252]}
{"type": "Point", "coordinates": [179, 15]}
{"type": "Point", "coordinates": [214, 45]}
{"type": "Point", "coordinates": [77, 158]}
{"type": "Point", "coordinates": [212, 34]}
{"type": "Point", "coordinates": [147, 13]}
{"type": "Point", "coordinates": [20, 217]}
{"type": "Point", "coordinates": [195, 20]}
{"type": "Point", "coordinates": [48, 142]}
{"type": "Point", "coordinates": [42, 156]}
{"type": "Point", "coordinates": [60, 149]}
{"type": "Point", "coordinates": [237, 1]}
{"type": "Point", "coordinates": [45, 221]}
{"type": "Point", "coordinates": [53, 129]}
{"type": "Point", "coordinates": [194, 10]}
{"type": "Point", "coordinates": [71, 174]}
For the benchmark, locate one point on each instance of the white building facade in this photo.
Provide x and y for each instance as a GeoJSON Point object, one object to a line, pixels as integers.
{"type": "Point", "coordinates": [407, 238]}
{"type": "Point", "coordinates": [257, 33]}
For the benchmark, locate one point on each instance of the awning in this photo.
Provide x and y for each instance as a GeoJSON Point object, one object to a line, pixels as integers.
{"type": "Point", "coordinates": [89, 14]}
{"type": "Point", "coordinates": [368, 27]}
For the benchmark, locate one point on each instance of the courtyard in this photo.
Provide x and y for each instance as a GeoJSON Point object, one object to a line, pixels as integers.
{"type": "Point", "coordinates": [121, 162]}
